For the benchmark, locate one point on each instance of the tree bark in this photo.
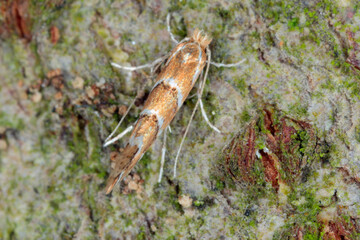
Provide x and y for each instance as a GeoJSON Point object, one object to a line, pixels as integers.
{"type": "Point", "coordinates": [285, 166]}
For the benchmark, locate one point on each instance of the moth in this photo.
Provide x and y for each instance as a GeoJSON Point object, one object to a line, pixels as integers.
{"type": "Point", "coordinates": [173, 84]}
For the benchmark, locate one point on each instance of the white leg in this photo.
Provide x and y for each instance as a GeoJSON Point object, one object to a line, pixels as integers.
{"type": "Point", "coordinates": [169, 30]}
{"type": "Point", "coordinates": [227, 65]}
{"type": "Point", "coordinates": [157, 61]}
{"type": "Point", "coordinates": [150, 65]}
{"type": "Point", "coordinates": [121, 120]}
{"type": "Point", "coordinates": [163, 151]}
{"type": "Point", "coordinates": [206, 118]}
{"type": "Point", "coordinates": [201, 104]}
{"type": "Point", "coordinates": [123, 133]}
{"type": "Point", "coordinates": [201, 90]}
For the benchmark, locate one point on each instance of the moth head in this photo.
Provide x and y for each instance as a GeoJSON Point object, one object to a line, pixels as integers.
{"type": "Point", "coordinates": [201, 38]}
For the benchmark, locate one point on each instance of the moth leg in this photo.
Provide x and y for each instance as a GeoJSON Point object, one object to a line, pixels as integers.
{"type": "Point", "coordinates": [200, 92]}
{"type": "Point", "coordinates": [206, 118]}
{"type": "Point", "coordinates": [108, 140]}
{"type": "Point", "coordinates": [163, 151]}
{"type": "Point", "coordinates": [227, 65]}
{"type": "Point", "coordinates": [123, 133]}
{"type": "Point", "coordinates": [150, 65]}
{"type": "Point", "coordinates": [154, 65]}
{"type": "Point", "coordinates": [203, 112]}
{"type": "Point", "coordinates": [201, 103]}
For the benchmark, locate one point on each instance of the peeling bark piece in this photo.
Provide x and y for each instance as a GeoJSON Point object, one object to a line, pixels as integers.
{"type": "Point", "coordinates": [340, 229]}
{"type": "Point", "coordinates": [289, 148]}
{"type": "Point", "coordinates": [271, 172]}
{"type": "Point", "coordinates": [241, 156]}
{"type": "Point", "coordinates": [354, 54]}
{"type": "Point", "coordinates": [17, 18]}
{"type": "Point", "coordinates": [54, 34]}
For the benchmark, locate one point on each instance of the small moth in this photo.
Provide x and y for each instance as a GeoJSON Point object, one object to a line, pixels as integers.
{"type": "Point", "coordinates": [174, 83]}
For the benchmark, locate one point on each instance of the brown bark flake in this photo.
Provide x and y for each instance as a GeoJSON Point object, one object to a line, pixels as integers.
{"type": "Point", "coordinates": [288, 143]}
{"type": "Point", "coordinates": [271, 172]}
{"type": "Point", "coordinates": [16, 18]}
{"type": "Point", "coordinates": [54, 34]}
{"type": "Point", "coordinates": [354, 54]}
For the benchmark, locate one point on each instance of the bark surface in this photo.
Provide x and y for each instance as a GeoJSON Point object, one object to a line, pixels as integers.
{"type": "Point", "coordinates": [286, 165]}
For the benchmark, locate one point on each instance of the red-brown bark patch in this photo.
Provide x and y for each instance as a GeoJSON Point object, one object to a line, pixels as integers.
{"type": "Point", "coordinates": [285, 154]}
{"type": "Point", "coordinates": [339, 229]}
{"type": "Point", "coordinates": [16, 18]}
{"type": "Point", "coordinates": [241, 156]}
{"type": "Point", "coordinates": [354, 53]}
{"type": "Point", "coordinates": [271, 172]}
{"type": "Point", "coordinates": [54, 34]}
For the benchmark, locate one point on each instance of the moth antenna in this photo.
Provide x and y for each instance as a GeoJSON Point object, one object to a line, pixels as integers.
{"type": "Point", "coordinates": [168, 18]}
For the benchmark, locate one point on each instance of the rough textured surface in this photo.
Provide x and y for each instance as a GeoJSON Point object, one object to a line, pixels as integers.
{"type": "Point", "coordinates": [286, 165]}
